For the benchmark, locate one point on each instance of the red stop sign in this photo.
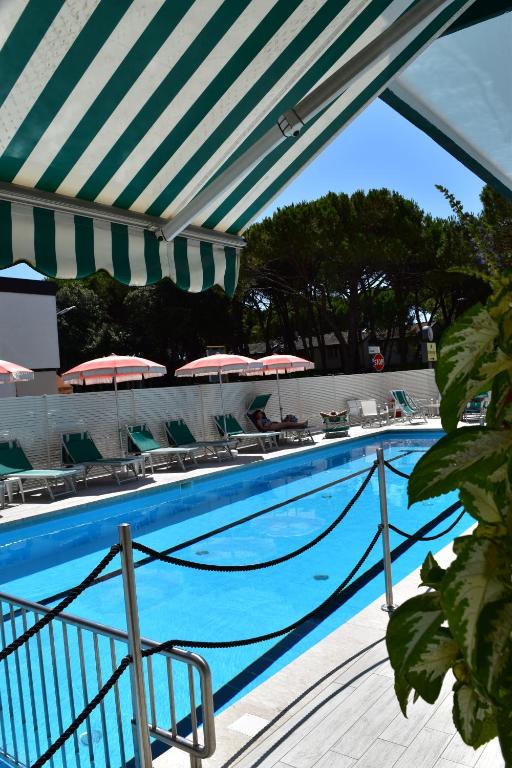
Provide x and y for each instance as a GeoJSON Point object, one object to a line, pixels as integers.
{"type": "Point", "coordinates": [378, 362]}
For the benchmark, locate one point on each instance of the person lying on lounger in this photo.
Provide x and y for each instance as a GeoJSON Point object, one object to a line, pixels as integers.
{"type": "Point", "coordinates": [264, 424]}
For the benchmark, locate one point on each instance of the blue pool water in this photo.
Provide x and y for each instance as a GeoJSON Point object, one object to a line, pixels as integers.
{"type": "Point", "coordinates": [44, 558]}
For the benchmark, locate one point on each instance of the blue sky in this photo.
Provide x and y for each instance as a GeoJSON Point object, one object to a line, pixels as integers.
{"type": "Point", "coordinates": [379, 149]}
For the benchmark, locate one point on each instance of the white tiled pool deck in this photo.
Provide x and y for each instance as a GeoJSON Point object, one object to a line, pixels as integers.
{"type": "Point", "coordinates": [334, 706]}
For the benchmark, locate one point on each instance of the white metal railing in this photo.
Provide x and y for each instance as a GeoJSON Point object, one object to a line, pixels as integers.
{"type": "Point", "coordinates": [47, 681]}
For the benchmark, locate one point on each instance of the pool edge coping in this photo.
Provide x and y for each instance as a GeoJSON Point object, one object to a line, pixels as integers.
{"type": "Point", "coordinates": [121, 494]}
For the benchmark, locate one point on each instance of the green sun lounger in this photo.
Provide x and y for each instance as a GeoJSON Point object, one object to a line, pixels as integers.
{"type": "Point", "coordinates": [229, 427]}
{"type": "Point", "coordinates": [180, 435]}
{"type": "Point", "coordinates": [300, 434]}
{"type": "Point", "coordinates": [335, 424]}
{"type": "Point", "coordinates": [476, 408]}
{"type": "Point", "coordinates": [408, 406]}
{"type": "Point", "coordinates": [80, 448]}
{"type": "Point", "coordinates": [141, 440]}
{"type": "Point", "coordinates": [14, 463]}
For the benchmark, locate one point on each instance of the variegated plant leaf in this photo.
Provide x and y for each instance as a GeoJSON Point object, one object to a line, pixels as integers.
{"type": "Point", "coordinates": [467, 453]}
{"type": "Point", "coordinates": [431, 572]}
{"type": "Point", "coordinates": [471, 338]}
{"type": "Point", "coordinates": [403, 691]}
{"type": "Point", "coordinates": [500, 408]}
{"type": "Point", "coordinates": [485, 502]}
{"type": "Point", "coordinates": [473, 717]}
{"type": "Point", "coordinates": [500, 303]}
{"type": "Point", "coordinates": [479, 380]}
{"type": "Point", "coordinates": [494, 651]}
{"type": "Point", "coordinates": [476, 578]}
{"type": "Point", "coordinates": [410, 628]}
{"type": "Point", "coordinates": [427, 672]}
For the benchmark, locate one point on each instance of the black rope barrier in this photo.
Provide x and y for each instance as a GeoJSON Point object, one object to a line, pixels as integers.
{"type": "Point", "coordinates": [84, 714]}
{"type": "Point", "coordinates": [396, 471]}
{"type": "Point", "coordinates": [216, 531]}
{"type": "Point", "coordinates": [153, 553]}
{"type": "Point", "coordinates": [428, 538]}
{"type": "Point", "coordinates": [72, 595]}
{"type": "Point", "coordinates": [168, 645]}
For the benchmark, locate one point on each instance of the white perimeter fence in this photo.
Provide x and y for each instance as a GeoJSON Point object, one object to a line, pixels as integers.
{"type": "Point", "coordinates": [38, 422]}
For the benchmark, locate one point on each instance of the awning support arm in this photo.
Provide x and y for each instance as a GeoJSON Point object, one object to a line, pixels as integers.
{"type": "Point", "coordinates": [15, 193]}
{"type": "Point", "coordinates": [291, 122]}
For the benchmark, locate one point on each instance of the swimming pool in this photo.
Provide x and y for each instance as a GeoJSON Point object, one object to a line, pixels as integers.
{"type": "Point", "coordinates": [43, 558]}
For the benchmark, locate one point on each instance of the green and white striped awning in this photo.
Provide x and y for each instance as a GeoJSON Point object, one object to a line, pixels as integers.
{"type": "Point", "coordinates": [143, 106]}
{"type": "Point", "coordinates": [69, 246]}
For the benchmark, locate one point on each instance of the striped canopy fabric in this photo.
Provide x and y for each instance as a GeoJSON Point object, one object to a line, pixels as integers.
{"type": "Point", "coordinates": [139, 104]}
{"type": "Point", "coordinates": [66, 246]}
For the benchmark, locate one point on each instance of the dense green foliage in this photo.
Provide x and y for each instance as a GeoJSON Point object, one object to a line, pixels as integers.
{"type": "Point", "coordinates": [464, 622]}
{"type": "Point", "coordinates": [371, 264]}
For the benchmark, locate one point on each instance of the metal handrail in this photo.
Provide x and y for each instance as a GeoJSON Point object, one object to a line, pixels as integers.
{"type": "Point", "coordinates": [19, 607]}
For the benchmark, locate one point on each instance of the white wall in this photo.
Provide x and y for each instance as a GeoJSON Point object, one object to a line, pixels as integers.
{"type": "Point", "coordinates": [28, 330]}
{"type": "Point", "coordinates": [39, 421]}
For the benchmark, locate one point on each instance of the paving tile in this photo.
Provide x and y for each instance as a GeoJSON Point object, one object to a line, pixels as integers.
{"type": "Point", "coordinates": [491, 756]}
{"type": "Point", "coordinates": [275, 745]}
{"type": "Point", "coordinates": [442, 719]}
{"type": "Point", "coordinates": [319, 740]}
{"type": "Point", "coordinates": [248, 724]}
{"type": "Point", "coordinates": [333, 760]}
{"type": "Point", "coordinates": [403, 730]}
{"type": "Point", "coordinates": [424, 751]}
{"type": "Point", "coordinates": [381, 754]}
{"type": "Point", "coordinates": [362, 663]}
{"type": "Point", "coordinates": [369, 726]}
{"type": "Point", "coordinates": [458, 752]}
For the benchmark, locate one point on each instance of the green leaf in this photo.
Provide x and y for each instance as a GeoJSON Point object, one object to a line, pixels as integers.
{"type": "Point", "coordinates": [476, 578]}
{"type": "Point", "coordinates": [437, 656]}
{"type": "Point", "coordinates": [469, 339]}
{"type": "Point", "coordinates": [431, 572]}
{"type": "Point", "coordinates": [403, 691]}
{"type": "Point", "coordinates": [474, 718]}
{"type": "Point", "coordinates": [410, 628]}
{"type": "Point", "coordinates": [485, 502]}
{"type": "Point", "coordinates": [499, 408]}
{"type": "Point", "coordinates": [494, 651]}
{"type": "Point", "coordinates": [462, 455]}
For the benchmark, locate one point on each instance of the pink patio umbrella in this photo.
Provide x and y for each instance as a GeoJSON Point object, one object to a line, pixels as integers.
{"type": "Point", "coordinates": [279, 364]}
{"type": "Point", "coordinates": [10, 373]}
{"type": "Point", "coordinates": [217, 365]}
{"type": "Point", "coordinates": [114, 369]}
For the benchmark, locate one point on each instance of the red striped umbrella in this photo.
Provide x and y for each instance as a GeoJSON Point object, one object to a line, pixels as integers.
{"type": "Point", "coordinates": [219, 364]}
{"type": "Point", "coordinates": [113, 369]}
{"type": "Point", "coordinates": [281, 363]}
{"type": "Point", "coordinates": [11, 373]}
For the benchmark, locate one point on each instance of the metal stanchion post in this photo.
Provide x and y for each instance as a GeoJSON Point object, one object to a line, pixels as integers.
{"type": "Point", "coordinates": [389, 606]}
{"type": "Point", "coordinates": [141, 733]}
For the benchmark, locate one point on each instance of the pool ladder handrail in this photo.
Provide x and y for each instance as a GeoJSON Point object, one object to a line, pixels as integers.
{"type": "Point", "coordinates": [196, 747]}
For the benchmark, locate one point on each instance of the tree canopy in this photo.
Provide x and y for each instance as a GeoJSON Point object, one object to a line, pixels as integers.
{"type": "Point", "coordinates": [363, 265]}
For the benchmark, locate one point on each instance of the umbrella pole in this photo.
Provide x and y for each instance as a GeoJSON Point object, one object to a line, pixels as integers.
{"type": "Point", "coordinates": [118, 419]}
{"type": "Point", "coordinates": [222, 403]}
{"type": "Point", "coordinates": [279, 395]}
